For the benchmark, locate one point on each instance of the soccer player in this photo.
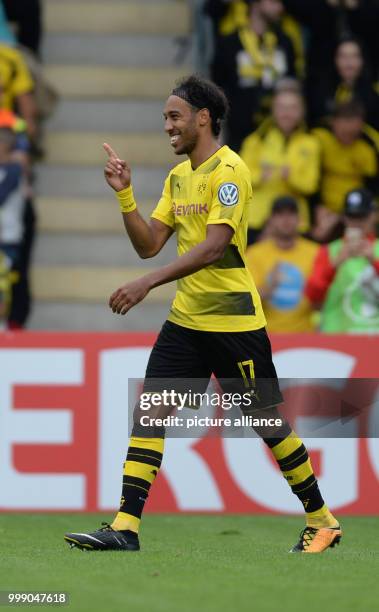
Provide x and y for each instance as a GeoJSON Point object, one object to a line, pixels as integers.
{"type": "Point", "coordinates": [216, 323]}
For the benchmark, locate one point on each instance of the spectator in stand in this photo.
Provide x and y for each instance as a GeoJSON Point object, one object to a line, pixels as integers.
{"type": "Point", "coordinates": [21, 300]}
{"type": "Point", "coordinates": [8, 119]}
{"type": "Point", "coordinates": [350, 80]}
{"type": "Point", "coordinates": [229, 16]}
{"type": "Point", "coordinates": [247, 65]}
{"type": "Point", "coordinates": [27, 90]}
{"type": "Point", "coordinates": [27, 16]}
{"type": "Point", "coordinates": [18, 87]}
{"type": "Point", "coordinates": [12, 199]}
{"type": "Point", "coordinates": [283, 159]}
{"type": "Point", "coordinates": [16, 80]}
{"type": "Point", "coordinates": [12, 223]}
{"type": "Point", "coordinates": [349, 160]}
{"type": "Point", "coordinates": [329, 20]}
{"type": "Point", "coordinates": [280, 266]}
{"type": "Point", "coordinates": [345, 278]}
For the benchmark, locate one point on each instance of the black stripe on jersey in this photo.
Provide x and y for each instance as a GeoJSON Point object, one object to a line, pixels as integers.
{"type": "Point", "coordinates": [223, 303]}
{"type": "Point", "coordinates": [231, 259]}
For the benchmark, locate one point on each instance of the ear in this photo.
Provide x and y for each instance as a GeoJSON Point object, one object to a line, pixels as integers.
{"type": "Point", "coordinates": [203, 117]}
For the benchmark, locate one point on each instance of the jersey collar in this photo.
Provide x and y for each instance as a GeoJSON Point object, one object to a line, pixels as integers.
{"type": "Point", "coordinates": [206, 161]}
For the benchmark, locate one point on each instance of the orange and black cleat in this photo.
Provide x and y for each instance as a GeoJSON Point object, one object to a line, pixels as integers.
{"type": "Point", "coordinates": [317, 540]}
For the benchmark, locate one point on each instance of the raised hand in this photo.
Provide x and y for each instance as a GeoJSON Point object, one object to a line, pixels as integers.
{"type": "Point", "coordinates": [117, 172]}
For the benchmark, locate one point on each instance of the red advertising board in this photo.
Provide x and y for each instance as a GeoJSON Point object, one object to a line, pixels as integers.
{"type": "Point", "coordinates": [64, 430]}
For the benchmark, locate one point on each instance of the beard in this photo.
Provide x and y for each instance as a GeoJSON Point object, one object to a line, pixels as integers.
{"type": "Point", "coordinates": [188, 139]}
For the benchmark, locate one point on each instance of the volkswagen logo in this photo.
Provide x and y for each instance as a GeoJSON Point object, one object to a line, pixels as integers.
{"type": "Point", "coordinates": [228, 194]}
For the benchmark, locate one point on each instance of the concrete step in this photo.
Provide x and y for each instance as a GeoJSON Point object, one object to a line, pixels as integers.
{"type": "Point", "coordinates": [108, 115]}
{"type": "Point", "coordinates": [59, 316]}
{"type": "Point", "coordinates": [113, 49]}
{"type": "Point", "coordinates": [113, 82]}
{"type": "Point", "coordinates": [89, 283]}
{"type": "Point", "coordinates": [96, 250]}
{"type": "Point", "coordinates": [71, 181]}
{"type": "Point", "coordinates": [85, 148]}
{"type": "Point", "coordinates": [81, 215]}
{"type": "Point", "coordinates": [163, 17]}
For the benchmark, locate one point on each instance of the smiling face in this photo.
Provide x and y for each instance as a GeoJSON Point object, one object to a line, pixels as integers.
{"type": "Point", "coordinates": [182, 124]}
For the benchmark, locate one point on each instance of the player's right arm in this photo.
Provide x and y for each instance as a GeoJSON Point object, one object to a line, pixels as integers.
{"type": "Point", "coordinates": [147, 238]}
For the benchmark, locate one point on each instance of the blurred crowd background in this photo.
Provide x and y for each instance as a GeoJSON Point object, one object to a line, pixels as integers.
{"type": "Point", "coordinates": [302, 80]}
{"type": "Point", "coordinates": [25, 101]}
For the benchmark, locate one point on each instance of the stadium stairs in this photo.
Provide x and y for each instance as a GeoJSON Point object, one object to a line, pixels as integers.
{"type": "Point", "coordinates": [113, 63]}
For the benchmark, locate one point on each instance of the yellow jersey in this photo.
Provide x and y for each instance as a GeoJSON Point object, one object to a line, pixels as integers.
{"type": "Point", "coordinates": [221, 297]}
{"type": "Point", "coordinates": [300, 153]}
{"type": "Point", "coordinates": [345, 167]}
{"type": "Point", "coordinates": [15, 77]}
{"type": "Point", "coordinates": [288, 309]}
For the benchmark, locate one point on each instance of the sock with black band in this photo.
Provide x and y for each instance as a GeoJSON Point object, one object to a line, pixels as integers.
{"type": "Point", "coordinates": [141, 467]}
{"type": "Point", "coordinates": [295, 465]}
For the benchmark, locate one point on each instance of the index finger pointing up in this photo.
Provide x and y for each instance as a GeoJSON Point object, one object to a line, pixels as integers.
{"type": "Point", "coordinates": [110, 151]}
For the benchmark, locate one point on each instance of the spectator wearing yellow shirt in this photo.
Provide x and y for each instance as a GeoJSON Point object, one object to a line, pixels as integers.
{"type": "Point", "coordinates": [248, 64]}
{"type": "Point", "coordinates": [232, 15]}
{"type": "Point", "coordinates": [280, 267]}
{"type": "Point", "coordinates": [349, 160]}
{"type": "Point", "coordinates": [17, 86]}
{"type": "Point", "coordinates": [284, 159]}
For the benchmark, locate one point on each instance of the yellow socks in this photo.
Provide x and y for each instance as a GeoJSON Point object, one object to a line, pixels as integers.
{"type": "Point", "coordinates": [141, 467]}
{"type": "Point", "coordinates": [294, 462]}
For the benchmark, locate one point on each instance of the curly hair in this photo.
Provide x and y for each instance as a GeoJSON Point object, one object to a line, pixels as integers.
{"type": "Point", "coordinates": [200, 93]}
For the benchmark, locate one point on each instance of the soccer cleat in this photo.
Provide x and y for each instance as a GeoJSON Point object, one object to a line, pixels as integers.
{"type": "Point", "coordinates": [317, 540]}
{"type": "Point", "coordinates": [105, 538]}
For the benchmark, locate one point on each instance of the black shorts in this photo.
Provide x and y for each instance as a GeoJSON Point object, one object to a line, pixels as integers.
{"type": "Point", "coordinates": [239, 361]}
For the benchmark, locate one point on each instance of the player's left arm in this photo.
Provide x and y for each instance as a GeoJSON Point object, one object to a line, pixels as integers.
{"type": "Point", "coordinates": [204, 254]}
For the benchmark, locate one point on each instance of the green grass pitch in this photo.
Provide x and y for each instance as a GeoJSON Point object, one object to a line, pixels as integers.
{"type": "Point", "coordinates": [193, 563]}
